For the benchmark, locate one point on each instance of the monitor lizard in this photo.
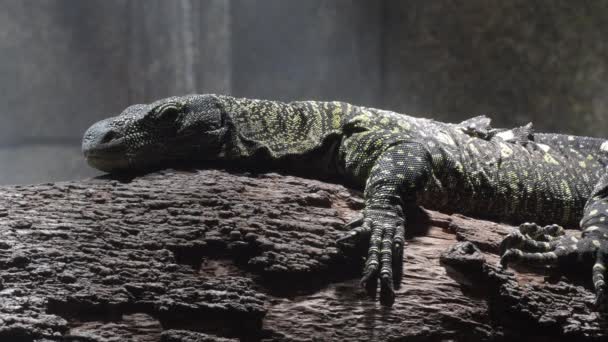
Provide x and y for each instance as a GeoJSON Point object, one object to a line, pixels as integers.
{"type": "Point", "coordinates": [399, 161]}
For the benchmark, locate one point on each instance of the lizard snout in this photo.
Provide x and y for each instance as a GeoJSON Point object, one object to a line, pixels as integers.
{"type": "Point", "coordinates": [103, 147]}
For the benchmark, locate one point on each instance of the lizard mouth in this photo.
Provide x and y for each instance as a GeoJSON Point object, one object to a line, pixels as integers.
{"type": "Point", "coordinates": [107, 164]}
{"type": "Point", "coordinates": [108, 157]}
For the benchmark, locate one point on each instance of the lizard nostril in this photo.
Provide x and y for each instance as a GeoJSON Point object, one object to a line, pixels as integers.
{"type": "Point", "coordinates": [108, 137]}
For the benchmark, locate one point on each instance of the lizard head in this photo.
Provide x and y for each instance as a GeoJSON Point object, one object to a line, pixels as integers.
{"type": "Point", "coordinates": [184, 128]}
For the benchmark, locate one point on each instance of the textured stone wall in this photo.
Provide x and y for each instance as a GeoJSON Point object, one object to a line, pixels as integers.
{"type": "Point", "coordinates": [67, 63]}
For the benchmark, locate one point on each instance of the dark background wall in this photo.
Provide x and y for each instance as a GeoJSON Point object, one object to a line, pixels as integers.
{"type": "Point", "coordinates": [67, 63]}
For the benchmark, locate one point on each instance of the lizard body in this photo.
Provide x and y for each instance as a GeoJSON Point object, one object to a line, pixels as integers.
{"type": "Point", "coordinates": [398, 160]}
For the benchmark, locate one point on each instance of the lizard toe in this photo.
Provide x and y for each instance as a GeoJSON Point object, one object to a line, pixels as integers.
{"type": "Point", "coordinates": [529, 228]}
{"type": "Point", "coordinates": [598, 278]}
{"type": "Point", "coordinates": [387, 290]}
{"type": "Point", "coordinates": [359, 230]}
{"type": "Point", "coordinates": [512, 240]}
{"type": "Point", "coordinates": [539, 258]}
{"type": "Point", "coordinates": [372, 265]}
{"type": "Point", "coordinates": [553, 231]}
{"type": "Point", "coordinates": [398, 246]}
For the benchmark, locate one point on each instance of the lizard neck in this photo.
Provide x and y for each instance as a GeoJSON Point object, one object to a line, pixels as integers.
{"type": "Point", "coordinates": [277, 131]}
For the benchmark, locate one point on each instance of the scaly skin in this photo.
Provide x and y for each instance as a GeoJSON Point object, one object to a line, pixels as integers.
{"type": "Point", "coordinates": [399, 161]}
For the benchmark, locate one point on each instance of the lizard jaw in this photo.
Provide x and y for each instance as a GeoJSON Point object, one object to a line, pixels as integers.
{"type": "Point", "coordinates": [106, 158]}
{"type": "Point", "coordinates": [106, 164]}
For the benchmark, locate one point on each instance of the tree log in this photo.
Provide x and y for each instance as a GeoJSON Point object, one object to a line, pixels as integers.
{"type": "Point", "coordinates": [211, 255]}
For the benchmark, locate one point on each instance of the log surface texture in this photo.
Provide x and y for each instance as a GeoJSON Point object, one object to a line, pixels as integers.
{"type": "Point", "coordinates": [217, 256]}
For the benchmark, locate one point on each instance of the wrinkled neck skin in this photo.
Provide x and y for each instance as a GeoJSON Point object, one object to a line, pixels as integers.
{"type": "Point", "coordinates": [198, 148]}
{"type": "Point", "coordinates": [289, 136]}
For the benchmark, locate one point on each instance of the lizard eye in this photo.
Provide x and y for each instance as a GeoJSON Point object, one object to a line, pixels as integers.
{"type": "Point", "coordinates": [168, 111]}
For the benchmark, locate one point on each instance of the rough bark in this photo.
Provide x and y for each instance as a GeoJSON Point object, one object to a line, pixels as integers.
{"type": "Point", "coordinates": [218, 256]}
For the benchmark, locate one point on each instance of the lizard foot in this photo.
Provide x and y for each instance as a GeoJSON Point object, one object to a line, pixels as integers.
{"type": "Point", "coordinates": [546, 233]}
{"type": "Point", "coordinates": [385, 228]}
{"type": "Point", "coordinates": [590, 250]}
{"type": "Point", "coordinates": [532, 237]}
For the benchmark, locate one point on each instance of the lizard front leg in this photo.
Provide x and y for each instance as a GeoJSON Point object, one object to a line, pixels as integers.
{"type": "Point", "coordinates": [398, 173]}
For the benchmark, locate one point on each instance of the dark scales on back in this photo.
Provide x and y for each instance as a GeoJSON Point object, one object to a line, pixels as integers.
{"type": "Point", "coordinates": [400, 161]}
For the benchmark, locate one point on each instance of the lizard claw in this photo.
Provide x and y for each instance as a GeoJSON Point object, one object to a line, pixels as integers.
{"type": "Point", "coordinates": [359, 228]}
{"type": "Point", "coordinates": [387, 291]}
{"type": "Point", "coordinates": [601, 302]}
